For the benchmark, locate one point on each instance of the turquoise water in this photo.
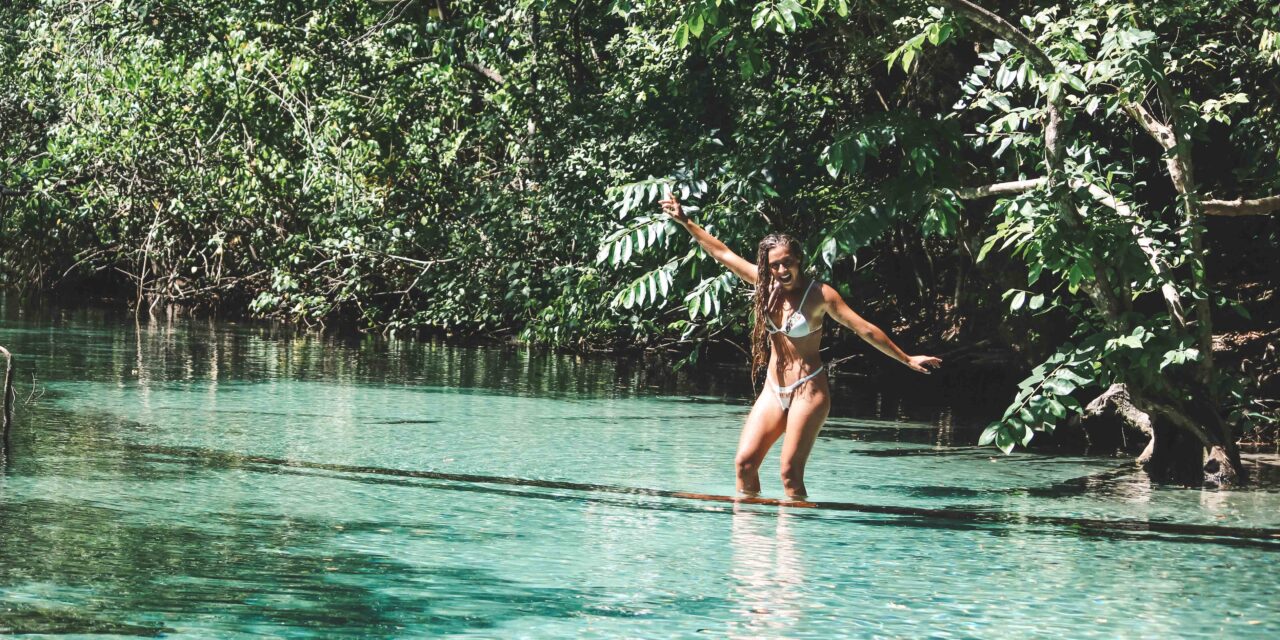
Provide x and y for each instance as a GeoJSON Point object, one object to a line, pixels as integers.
{"type": "Point", "coordinates": [212, 480]}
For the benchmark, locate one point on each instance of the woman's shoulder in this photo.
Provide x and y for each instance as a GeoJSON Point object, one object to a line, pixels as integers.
{"type": "Point", "coordinates": [828, 293]}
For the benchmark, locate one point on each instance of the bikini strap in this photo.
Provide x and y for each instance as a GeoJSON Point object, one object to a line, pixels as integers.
{"type": "Point", "coordinates": [805, 296]}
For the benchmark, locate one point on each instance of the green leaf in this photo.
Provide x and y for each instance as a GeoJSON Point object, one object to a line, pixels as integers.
{"type": "Point", "coordinates": [892, 58]}
{"type": "Point", "coordinates": [989, 434]}
{"type": "Point", "coordinates": [718, 36]}
{"type": "Point", "coordinates": [986, 247]}
{"type": "Point", "coordinates": [1033, 272]}
{"type": "Point", "coordinates": [1058, 386]}
{"type": "Point", "coordinates": [832, 160]}
{"type": "Point", "coordinates": [907, 57]}
{"type": "Point", "coordinates": [1005, 441]}
{"type": "Point", "coordinates": [828, 251]}
{"type": "Point", "coordinates": [1057, 409]}
{"type": "Point", "coordinates": [1072, 376]}
{"type": "Point", "coordinates": [682, 36]}
{"type": "Point", "coordinates": [1018, 300]}
{"type": "Point", "coordinates": [696, 24]}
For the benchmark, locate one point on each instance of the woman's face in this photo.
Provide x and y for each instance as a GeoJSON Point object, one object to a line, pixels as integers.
{"type": "Point", "coordinates": [784, 266]}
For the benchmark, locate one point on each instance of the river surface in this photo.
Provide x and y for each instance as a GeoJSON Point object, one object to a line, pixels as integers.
{"type": "Point", "coordinates": [199, 479]}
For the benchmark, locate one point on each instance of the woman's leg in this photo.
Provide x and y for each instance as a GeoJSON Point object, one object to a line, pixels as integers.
{"type": "Point", "coordinates": [764, 426]}
{"type": "Point", "coordinates": [809, 408]}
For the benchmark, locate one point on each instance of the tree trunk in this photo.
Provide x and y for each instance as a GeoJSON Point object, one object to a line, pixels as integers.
{"type": "Point", "coordinates": [1110, 423]}
{"type": "Point", "coordinates": [1187, 445]}
{"type": "Point", "coordinates": [6, 415]}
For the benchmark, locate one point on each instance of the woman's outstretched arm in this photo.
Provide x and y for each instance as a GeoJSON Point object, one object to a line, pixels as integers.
{"type": "Point", "coordinates": [836, 308]}
{"type": "Point", "coordinates": [712, 245]}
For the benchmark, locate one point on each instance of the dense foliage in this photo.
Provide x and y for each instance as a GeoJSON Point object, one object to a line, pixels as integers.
{"type": "Point", "coordinates": [492, 167]}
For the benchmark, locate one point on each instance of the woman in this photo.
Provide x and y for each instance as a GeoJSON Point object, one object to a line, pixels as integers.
{"type": "Point", "coordinates": [789, 310]}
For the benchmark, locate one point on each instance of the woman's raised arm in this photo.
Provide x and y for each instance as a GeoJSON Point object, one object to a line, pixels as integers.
{"type": "Point", "coordinates": [712, 245]}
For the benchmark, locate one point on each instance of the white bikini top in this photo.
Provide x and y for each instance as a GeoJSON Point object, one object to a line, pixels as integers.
{"type": "Point", "coordinates": [796, 325]}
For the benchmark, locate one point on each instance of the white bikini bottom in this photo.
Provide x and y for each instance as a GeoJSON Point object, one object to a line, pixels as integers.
{"type": "Point", "coordinates": [784, 393]}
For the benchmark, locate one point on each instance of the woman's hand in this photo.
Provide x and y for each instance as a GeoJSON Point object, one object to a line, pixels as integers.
{"type": "Point", "coordinates": [671, 206]}
{"type": "Point", "coordinates": [918, 363]}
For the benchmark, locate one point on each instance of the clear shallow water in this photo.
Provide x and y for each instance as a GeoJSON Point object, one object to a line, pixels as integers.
{"type": "Point", "coordinates": [209, 480]}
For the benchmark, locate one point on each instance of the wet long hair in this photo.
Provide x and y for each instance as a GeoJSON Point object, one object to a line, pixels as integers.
{"type": "Point", "coordinates": [765, 297]}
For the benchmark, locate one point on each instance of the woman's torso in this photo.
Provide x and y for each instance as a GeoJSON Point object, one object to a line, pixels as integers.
{"type": "Point", "coordinates": [791, 357]}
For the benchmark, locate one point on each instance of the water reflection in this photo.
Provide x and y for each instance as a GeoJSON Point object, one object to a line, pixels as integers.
{"type": "Point", "coordinates": [767, 573]}
{"type": "Point", "coordinates": [104, 344]}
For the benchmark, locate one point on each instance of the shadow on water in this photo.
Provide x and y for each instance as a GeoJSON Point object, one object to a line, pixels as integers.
{"type": "Point", "coordinates": [280, 578]}
{"type": "Point", "coordinates": [1267, 538]}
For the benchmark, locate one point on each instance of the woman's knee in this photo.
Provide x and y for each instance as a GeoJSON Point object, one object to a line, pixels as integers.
{"type": "Point", "coordinates": [746, 464]}
{"type": "Point", "coordinates": [792, 474]}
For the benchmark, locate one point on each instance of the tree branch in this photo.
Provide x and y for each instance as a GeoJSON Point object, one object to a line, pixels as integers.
{"type": "Point", "coordinates": [6, 414]}
{"type": "Point", "coordinates": [488, 73]}
{"type": "Point", "coordinates": [1242, 207]}
{"type": "Point", "coordinates": [1158, 130]}
{"type": "Point", "coordinates": [1006, 30]}
{"type": "Point", "coordinates": [1000, 188]}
